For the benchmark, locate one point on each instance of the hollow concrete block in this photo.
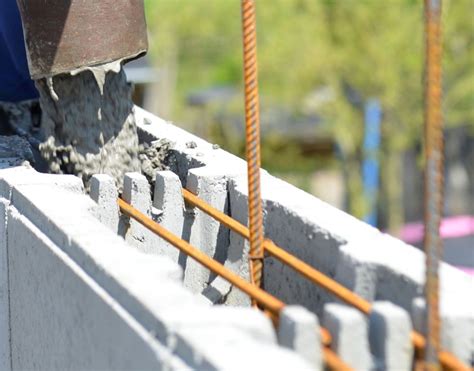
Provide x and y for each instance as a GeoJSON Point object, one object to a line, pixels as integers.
{"type": "Point", "coordinates": [299, 330]}
{"type": "Point", "coordinates": [203, 231]}
{"type": "Point", "coordinates": [136, 191]}
{"type": "Point", "coordinates": [457, 326]}
{"type": "Point", "coordinates": [25, 175]}
{"type": "Point", "coordinates": [232, 350]}
{"type": "Point", "coordinates": [246, 320]}
{"type": "Point", "coordinates": [104, 192]}
{"type": "Point", "coordinates": [237, 256]}
{"type": "Point", "coordinates": [389, 337]}
{"type": "Point", "coordinates": [348, 328]}
{"type": "Point", "coordinates": [360, 275]}
{"type": "Point", "coordinates": [4, 290]}
{"type": "Point", "coordinates": [168, 200]}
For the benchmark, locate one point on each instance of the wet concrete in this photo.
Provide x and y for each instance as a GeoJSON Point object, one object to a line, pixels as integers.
{"type": "Point", "coordinates": [89, 128]}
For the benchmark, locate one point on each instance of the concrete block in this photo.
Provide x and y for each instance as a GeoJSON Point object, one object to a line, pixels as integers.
{"type": "Point", "coordinates": [151, 299]}
{"type": "Point", "coordinates": [293, 232]}
{"type": "Point", "coordinates": [143, 284]}
{"type": "Point", "coordinates": [358, 275]}
{"type": "Point", "coordinates": [216, 348]}
{"type": "Point", "coordinates": [25, 175]}
{"type": "Point", "coordinates": [104, 192]}
{"type": "Point", "coordinates": [169, 201]}
{"type": "Point", "coordinates": [373, 264]}
{"type": "Point", "coordinates": [4, 290]}
{"type": "Point", "coordinates": [457, 326]}
{"type": "Point", "coordinates": [299, 330]}
{"type": "Point", "coordinates": [390, 337]}
{"type": "Point", "coordinates": [82, 327]}
{"type": "Point", "coordinates": [348, 328]}
{"type": "Point", "coordinates": [136, 191]}
{"type": "Point", "coordinates": [204, 231]}
{"type": "Point", "coordinates": [247, 320]}
{"type": "Point", "coordinates": [237, 256]}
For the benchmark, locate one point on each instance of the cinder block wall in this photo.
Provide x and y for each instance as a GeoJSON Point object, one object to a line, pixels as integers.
{"type": "Point", "coordinates": [143, 295]}
{"type": "Point", "coordinates": [74, 295]}
{"type": "Point", "coordinates": [373, 264]}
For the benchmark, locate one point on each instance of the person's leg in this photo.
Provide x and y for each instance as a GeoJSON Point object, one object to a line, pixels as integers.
{"type": "Point", "coordinates": [15, 82]}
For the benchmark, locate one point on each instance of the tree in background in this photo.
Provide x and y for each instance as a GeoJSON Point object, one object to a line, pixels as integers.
{"type": "Point", "coordinates": [354, 50]}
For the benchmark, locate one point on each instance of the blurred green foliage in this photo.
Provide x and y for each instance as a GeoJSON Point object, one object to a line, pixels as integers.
{"type": "Point", "coordinates": [359, 49]}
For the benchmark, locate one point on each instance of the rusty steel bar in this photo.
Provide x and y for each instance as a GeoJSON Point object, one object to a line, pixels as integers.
{"type": "Point", "coordinates": [252, 140]}
{"type": "Point", "coordinates": [263, 298]}
{"type": "Point", "coordinates": [317, 277]}
{"type": "Point", "coordinates": [433, 178]}
{"type": "Point", "coordinates": [272, 304]}
{"type": "Point", "coordinates": [334, 362]}
{"type": "Point", "coordinates": [449, 361]}
{"type": "Point", "coordinates": [298, 265]}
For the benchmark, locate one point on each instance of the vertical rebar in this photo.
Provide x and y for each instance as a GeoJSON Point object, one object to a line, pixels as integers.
{"type": "Point", "coordinates": [433, 178]}
{"type": "Point", "coordinates": [252, 136]}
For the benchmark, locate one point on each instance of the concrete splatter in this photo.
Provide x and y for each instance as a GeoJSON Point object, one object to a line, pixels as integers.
{"type": "Point", "coordinates": [88, 127]}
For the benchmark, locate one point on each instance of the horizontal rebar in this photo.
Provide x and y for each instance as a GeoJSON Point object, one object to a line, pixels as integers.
{"type": "Point", "coordinates": [300, 266]}
{"type": "Point", "coordinates": [266, 300]}
{"type": "Point", "coordinates": [262, 297]}
{"type": "Point", "coordinates": [447, 360]}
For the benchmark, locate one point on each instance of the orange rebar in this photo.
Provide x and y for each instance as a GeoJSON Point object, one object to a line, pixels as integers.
{"type": "Point", "coordinates": [449, 361]}
{"type": "Point", "coordinates": [433, 178]}
{"type": "Point", "coordinates": [315, 276]}
{"type": "Point", "coordinates": [266, 300]}
{"type": "Point", "coordinates": [252, 140]}
{"type": "Point", "coordinates": [333, 361]}
{"type": "Point", "coordinates": [263, 298]}
{"type": "Point", "coordinates": [298, 265]}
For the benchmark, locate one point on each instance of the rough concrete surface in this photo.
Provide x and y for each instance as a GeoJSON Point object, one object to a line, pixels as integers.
{"type": "Point", "coordinates": [349, 335]}
{"type": "Point", "coordinates": [390, 337]}
{"type": "Point", "coordinates": [104, 192]}
{"type": "Point", "coordinates": [50, 296]}
{"type": "Point", "coordinates": [88, 125]}
{"type": "Point", "coordinates": [119, 297]}
{"type": "Point", "coordinates": [373, 264]}
{"type": "Point", "coordinates": [299, 330]}
{"type": "Point", "coordinates": [4, 290]}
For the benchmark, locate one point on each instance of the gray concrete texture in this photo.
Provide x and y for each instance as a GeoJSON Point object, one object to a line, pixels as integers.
{"type": "Point", "coordinates": [82, 298]}
{"type": "Point", "coordinates": [299, 330]}
{"type": "Point", "coordinates": [349, 335]}
{"type": "Point", "coordinates": [169, 296]}
{"type": "Point", "coordinates": [390, 337]}
{"type": "Point", "coordinates": [375, 265]}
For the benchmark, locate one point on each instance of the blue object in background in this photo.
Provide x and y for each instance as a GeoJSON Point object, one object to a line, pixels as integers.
{"type": "Point", "coordinates": [15, 82]}
{"type": "Point", "coordinates": [370, 165]}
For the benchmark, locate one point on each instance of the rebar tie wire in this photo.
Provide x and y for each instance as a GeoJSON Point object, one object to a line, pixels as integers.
{"type": "Point", "coordinates": [434, 181]}
{"type": "Point", "coordinates": [252, 140]}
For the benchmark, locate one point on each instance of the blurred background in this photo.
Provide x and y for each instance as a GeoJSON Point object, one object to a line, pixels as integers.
{"type": "Point", "coordinates": [341, 86]}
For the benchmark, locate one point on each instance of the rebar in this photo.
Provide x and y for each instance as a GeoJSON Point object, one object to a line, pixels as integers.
{"type": "Point", "coordinates": [263, 298]}
{"type": "Point", "coordinates": [433, 202]}
{"type": "Point", "coordinates": [447, 360]}
{"type": "Point", "coordinates": [266, 300]}
{"type": "Point", "coordinates": [252, 139]}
